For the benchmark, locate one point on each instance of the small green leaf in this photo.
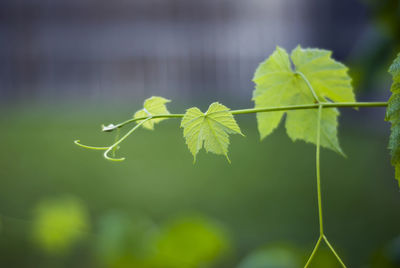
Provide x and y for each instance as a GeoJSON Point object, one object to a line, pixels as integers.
{"type": "Point", "coordinates": [277, 84]}
{"type": "Point", "coordinates": [152, 106]}
{"type": "Point", "coordinates": [393, 115]}
{"type": "Point", "coordinates": [210, 128]}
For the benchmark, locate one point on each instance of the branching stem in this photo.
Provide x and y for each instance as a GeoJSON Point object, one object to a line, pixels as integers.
{"type": "Point", "coordinates": [318, 105]}
{"type": "Point", "coordinates": [114, 146]}
{"type": "Point", "coordinates": [319, 196]}
{"type": "Point", "coordinates": [333, 251]}
{"type": "Point", "coordinates": [272, 109]}
{"type": "Point", "coordinates": [314, 251]}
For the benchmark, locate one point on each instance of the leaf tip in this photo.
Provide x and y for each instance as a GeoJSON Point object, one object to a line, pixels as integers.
{"type": "Point", "coordinates": [340, 151]}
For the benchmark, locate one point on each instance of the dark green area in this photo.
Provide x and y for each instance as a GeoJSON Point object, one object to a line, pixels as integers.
{"type": "Point", "coordinates": [267, 196]}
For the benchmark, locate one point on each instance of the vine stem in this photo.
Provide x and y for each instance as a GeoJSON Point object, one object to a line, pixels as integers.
{"type": "Point", "coordinates": [319, 196]}
{"type": "Point", "coordinates": [114, 146]}
{"type": "Point", "coordinates": [317, 164]}
{"type": "Point", "coordinates": [318, 105]}
{"type": "Point", "coordinates": [333, 251]}
{"type": "Point", "coordinates": [269, 109]}
{"type": "Point", "coordinates": [313, 252]}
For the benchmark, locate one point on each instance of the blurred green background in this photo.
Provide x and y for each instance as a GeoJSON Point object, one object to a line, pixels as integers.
{"type": "Point", "coordinates": [63, 206]}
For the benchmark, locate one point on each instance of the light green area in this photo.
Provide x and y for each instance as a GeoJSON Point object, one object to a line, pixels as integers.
{"type": "Point", "coordinates": [188, 241]}
{"type": "Point", "coordinates": [210, 129]}
{"type": "Point", "coordinates": [278, 256]}
{"type": "Point", "coordinates": [152, 106]}
{"type": "Point", "coordinates": [58, 224]}
{"type": "Point", "coordinates": [393, 115]}
{"type": "Point", "coordinates": [191, 242]}
{"type": "Point", "coordinates": [316, 78]}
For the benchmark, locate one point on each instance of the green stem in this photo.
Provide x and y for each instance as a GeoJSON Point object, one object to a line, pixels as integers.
{"type": "Point", "coordinates": [121, 140]}
{"type": "Point", "coordinates": [321, 222]}
{"type": "Point", "coordinates": [309, 86]}
{"type": "Point", "coordinates": [320, 215]}
{"type": "Point", "coordinates": [145, 117]}
{"type": "Point", "coordinates": [317, 159]}
{"type": "Point", "coordinates": [114, 146]}
{"type": "Point", "coordinates": [334, 252]}
{"type": "Point", "coordinates": [311, 106]}
{"type": "Point", "coordinates": [313, 252]}
{"type": "Point", "coordinates": [272, 109]}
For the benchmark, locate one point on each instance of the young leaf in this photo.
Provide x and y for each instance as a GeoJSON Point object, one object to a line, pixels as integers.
{"type": "Point", "coordinates": [152, 106]}
{"type": "Point", "coordinates": [393, 115]}
{"type": "Point", "coordinates": [108, 128]}
{"type": "Point", "coordinates": [277, 84]}
{"type": "Point", "coordinates": [210, 128]}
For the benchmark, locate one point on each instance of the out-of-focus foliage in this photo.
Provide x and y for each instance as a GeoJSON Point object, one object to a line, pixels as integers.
{"type": "Point", "coordinates": [388, 256]}
{"type": "Point", "coordinates": [190, 242]}
{"type": "Point", "coordinates": [126, 242]}
{"type": "Point", "coordinates": [393, 115]}
{"type": "Point", "coordinates": [378, 46]}
{"type": "Point", "coordinates": [184, 242]}
{"type": "Point", "coordinates": [278, 85]}
{"type": "Point", "coordinates": [273, 257]}
{"type": "Point", "coordinates": [58, 224]}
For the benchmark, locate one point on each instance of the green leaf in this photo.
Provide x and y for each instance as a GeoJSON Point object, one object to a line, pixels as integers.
{"type": "Point", "coordinates": [152, 106]}
{"type": "Point", "coordinates": [277, 84]}
{"type": "Point", "coordinates": [210, 128]}
{"type": "Point", "coordinates": [393, 115]}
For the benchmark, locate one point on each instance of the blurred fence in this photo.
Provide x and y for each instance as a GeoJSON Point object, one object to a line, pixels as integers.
{"type": "Point", "coordinates": [58, 49]}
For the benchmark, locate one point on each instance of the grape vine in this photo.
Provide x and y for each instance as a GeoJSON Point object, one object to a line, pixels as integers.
{"type": "Point", "coordinates": [309, 94]}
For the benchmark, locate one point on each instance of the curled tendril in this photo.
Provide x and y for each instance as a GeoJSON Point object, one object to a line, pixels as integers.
{"type": "Point", "coordinates": [77, 142]}
{"type": "Point", "coordinates": [112, 148]}
{"type": "Point", "coordinates": [106, 156]}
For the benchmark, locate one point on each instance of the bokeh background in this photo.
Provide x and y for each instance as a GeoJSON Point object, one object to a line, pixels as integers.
{"type": "Point", "coordinates": [69, 66]}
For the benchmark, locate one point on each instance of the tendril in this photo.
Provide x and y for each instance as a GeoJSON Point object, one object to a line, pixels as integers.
{"type": "Point", "coordinates": [77, 142]}
{"type": "Point", "coordinates": [115, 146]}
{"type": "Point", "coordinates": [113, 157]}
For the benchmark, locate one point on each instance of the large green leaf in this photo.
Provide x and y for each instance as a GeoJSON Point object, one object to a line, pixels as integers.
{"type": "Point", "coordinates": [393, 115]}
{"type": "Point", "coordinates": [152, 106]}
{"type": "Point", "coordinates": [210, 128]}
{"type": "Point", "coordinates": [277, 84]}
